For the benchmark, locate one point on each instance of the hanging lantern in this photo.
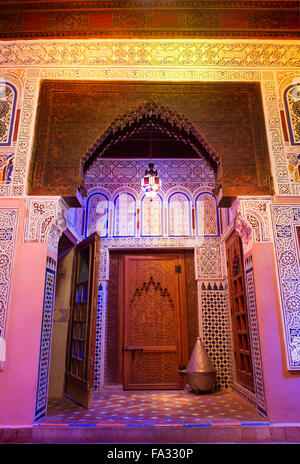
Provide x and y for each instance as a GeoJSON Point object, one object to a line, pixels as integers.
{"type": "Point", "coordinates": [151, 183]}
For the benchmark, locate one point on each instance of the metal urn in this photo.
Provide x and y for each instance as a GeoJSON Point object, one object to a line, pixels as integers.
{"type": "Point", "coordinates": [201, 371]}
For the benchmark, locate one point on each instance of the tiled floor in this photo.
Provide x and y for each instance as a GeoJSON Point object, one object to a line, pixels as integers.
{"type": "Point", "coordinates": [117, 407]}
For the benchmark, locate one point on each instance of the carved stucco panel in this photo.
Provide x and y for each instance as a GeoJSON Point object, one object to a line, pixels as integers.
{"type": "Point", "coordinates": [43, 216]}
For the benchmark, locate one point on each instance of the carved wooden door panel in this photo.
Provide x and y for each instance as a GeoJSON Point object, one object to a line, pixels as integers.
{"type": "Point", "coordinates": [239, 312]}
{"type": "Point", "coordinates": [79, 377]}
{"type": "Point", "coordinates": [155, 334]}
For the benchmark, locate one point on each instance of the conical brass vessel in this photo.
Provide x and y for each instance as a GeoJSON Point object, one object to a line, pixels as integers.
{"type": "Point", "coordinates": [201, 371]}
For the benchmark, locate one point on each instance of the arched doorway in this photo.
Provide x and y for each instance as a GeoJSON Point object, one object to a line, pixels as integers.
{"type": "Point", "coordinates": [188, 220]}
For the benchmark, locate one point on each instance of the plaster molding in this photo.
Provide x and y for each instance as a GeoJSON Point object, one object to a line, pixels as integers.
{"type": "Point", "coordinates": [241, 53]}
{"type": "Point", "coordinates": [44, 215]}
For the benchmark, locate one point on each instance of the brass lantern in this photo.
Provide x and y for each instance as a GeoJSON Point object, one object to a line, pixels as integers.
{"type": "Point", "coordinates": [151, 183]}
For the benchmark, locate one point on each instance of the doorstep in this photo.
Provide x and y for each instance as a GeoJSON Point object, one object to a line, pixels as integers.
{"type": "Point", "coordinates": [180, 433]}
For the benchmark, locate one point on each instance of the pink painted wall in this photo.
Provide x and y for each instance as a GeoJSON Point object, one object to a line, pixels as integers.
{"type": "Point", "coordinates": [18, 380]}
{"type": "Point", "coordinates": [282, 387]}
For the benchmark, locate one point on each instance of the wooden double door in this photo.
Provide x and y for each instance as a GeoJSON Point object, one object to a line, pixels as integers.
{"type": "Point", "coordinates": [154, 322]}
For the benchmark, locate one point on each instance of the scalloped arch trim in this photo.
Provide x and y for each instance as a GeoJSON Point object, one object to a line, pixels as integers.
{"type": "Point", "coordinates": [172, 123]}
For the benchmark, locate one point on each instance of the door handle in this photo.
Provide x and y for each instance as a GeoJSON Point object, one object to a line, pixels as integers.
{"type": "Point", "coordinates": [133, 350]}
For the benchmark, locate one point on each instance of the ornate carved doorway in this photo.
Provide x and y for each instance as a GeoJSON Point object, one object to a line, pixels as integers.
{"type": "Point", "coordinates": [152, 306]}
{"type": "Point", "coordinates": [155, 326]}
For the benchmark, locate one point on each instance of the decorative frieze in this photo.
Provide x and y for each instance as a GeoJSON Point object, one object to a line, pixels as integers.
{"type": "Point", "coordinates": [12, 54]}
{"type": "Point", "coordinates": [162, 52]}
{"type": "Point", "coordinates": [137, 73]}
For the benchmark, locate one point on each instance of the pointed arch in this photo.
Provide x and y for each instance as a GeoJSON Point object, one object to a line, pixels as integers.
{"type": "Point", "coordinates": [179, 214]}
{"type": "Point", "coordinates": [152, 216]}
{"type": "Point", "coordinates": [207, 219]}
{"type": "Point", "coordinates": [168, 121]}
{"type": "Point", "coordinates": [124, 215]}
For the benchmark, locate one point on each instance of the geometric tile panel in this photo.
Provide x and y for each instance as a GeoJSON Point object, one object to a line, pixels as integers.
{"type": "Point", "coordinates": [114, 173]}
{"type": "Point", "coordinates": [105, 53]}
{"type": "Point", "coordinates": [215, 329]}
{"type": "Point", "coordinates": [45, 346]}
{"type": "Point", "coordinates": [208, 263]}
{"type": "Point", "coordinates": [100, 336]}
{"type": "Point", "coordinates": [254, 335]}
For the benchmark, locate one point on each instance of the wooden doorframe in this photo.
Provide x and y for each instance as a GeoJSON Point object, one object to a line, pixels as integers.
{"type": "Point", "coordinates": [121, 302]}
{"type": "Point", "coordinates": [239, 375]}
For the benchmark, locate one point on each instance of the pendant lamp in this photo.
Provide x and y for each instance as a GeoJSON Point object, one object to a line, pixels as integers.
{"type": "Point", "coordinates": [150, 183]}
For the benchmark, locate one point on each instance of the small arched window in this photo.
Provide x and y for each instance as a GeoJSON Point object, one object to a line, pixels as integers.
{"type": "Point", "coordinates": [207, 220]}
{"type": "Point", "coordinates": [97, 211]}
{"type": "Point", "coordinates": [152, 216]}
{"type": "Point", "coordinates": [124, 215]}
{"type": "Point", "coordinates": [179, 215]}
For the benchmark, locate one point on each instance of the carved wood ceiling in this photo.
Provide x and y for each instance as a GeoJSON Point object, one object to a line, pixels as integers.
{"type": "Point", "coordinates": [152, 18]}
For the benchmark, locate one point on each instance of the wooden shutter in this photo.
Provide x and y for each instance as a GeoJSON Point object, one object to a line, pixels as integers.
{"type": "Point", "coordinates": [239, 312]}
{"type": "Point", "coordinates": [82, 327]}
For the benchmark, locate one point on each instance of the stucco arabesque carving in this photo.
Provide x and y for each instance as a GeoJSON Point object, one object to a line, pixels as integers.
{"type": "Point", "coordinates": [46, 220]}
{"type": "Point", "coordinates": [252, 220]}
{"type": "Point", "coordinates": [58, 226]}
{"type": "Point", "coordinates": [242, 227]}
{"type": "Point", "coordinates": [95, 53]}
